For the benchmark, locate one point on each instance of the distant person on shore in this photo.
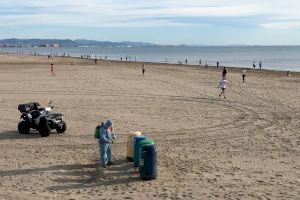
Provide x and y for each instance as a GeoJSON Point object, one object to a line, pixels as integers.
{"type": "Point", "coordinates": [260, 64]}
{"type": "Point", "coordinates": [121, 59]}
{"type": "Point", "coordinates": [224, 73]}
{"type": "Point", "coordinates": [223, 84]}
{"type": "Point", "coordinates": [254, 65]}
{"type": "Point", "coordinates": [200, 62]}
{"type": "Point", "coordinates": [52, 70]}
{"type": "Point", "coordinates": [143, 69]}
{"type": "Point", "coordinates": [244, 72]}
{"type": "Point", "coordinates": [95, 61]}
{"type": "Point", "coordinates": [218, 64]}
{"type": "Point", "coordinates": [186, 61]}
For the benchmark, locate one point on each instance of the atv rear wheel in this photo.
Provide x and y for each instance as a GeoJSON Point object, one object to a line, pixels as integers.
{"type": "Point", "coordinates": [61, 127]}
{"type": "Point", "coordinates": [23, 128]}
{"type": "Point", "coordinates": [44, 128]}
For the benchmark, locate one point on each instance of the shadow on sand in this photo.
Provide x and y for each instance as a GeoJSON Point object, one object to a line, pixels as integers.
{"type": "Point", "coordinates": [79, 176]}
{"type": "Point", "coordinates": [14, 135]}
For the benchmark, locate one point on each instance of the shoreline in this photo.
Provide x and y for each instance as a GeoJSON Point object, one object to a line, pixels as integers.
{"type": "Point", "coordinates": [160, 60]}
{"type": "Point", "coordinates": [234, 69]}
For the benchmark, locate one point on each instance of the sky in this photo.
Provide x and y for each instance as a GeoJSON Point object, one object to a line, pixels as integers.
{"type": "Point", "coordinates": [206, 22]}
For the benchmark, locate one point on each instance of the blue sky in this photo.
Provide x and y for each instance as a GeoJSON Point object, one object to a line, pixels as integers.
{"type": "Point", "coordinates": [211, 22]}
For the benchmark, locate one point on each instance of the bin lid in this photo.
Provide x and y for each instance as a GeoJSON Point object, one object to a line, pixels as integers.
{"type": "Point", "coordinates": [134, 133]}
{"type": "Point", "coordinates": [146, 142]}
{"type": "Point", "coordinates": [145, 146]}
{"type": "Point", "coordinates": [140, 137]}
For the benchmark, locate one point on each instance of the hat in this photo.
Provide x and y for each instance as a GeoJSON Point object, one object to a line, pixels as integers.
{"type": "Point", "coordinates": [108, 123]}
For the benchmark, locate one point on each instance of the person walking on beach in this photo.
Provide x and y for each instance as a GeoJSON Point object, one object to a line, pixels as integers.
{"type": "Point", "coordinates": [52, 70]}
{"type": "Point", "coordinates": [244, 72]}
{"type": "Point", "coordinates": [224, 73]}
{"type": "Point", "coordinates": [260, 64]}
{"type": "Point", "coordinates": [143, 69]}
{"type": "Point", "coordinates": [186, 61]}
{"type": "Point", "coordinates": [218, 64]}
{"type": "Point", "coordinates": [254, 65]}
{"type": "Point", "coordinates": [106, 138]}
{"type": "Point", "coordinates": [223, 84]}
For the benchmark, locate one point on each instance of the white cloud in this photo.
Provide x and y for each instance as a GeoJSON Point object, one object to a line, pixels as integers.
{"type": "Point", "coordinates": [145, 13]}
{"type": "Point", "coordinates": [282, 25]}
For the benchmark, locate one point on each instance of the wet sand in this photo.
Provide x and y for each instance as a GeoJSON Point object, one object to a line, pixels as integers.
{"type": "Point", "coordinates": [244, 147]}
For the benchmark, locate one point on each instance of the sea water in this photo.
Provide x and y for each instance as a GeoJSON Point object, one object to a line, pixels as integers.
{"type": "Point", "coordinates": [286, 58]}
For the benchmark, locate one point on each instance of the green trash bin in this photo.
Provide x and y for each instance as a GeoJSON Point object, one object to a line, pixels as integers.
{"type": "Point", "coordinates": [144, 142]}
{"type": "Point", "coordinates": [148, 162]}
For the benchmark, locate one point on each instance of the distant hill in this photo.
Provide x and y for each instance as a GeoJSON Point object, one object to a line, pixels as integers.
{"type": "Point", "coordinates": [13, 42]}
{"type": "Point", "coordinates": [82, 42]}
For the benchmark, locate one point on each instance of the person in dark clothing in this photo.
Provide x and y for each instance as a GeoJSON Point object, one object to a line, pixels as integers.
{"type": "Point", "coordinates": [224, 73]}
{"type": "Point", "coordinates": [143, 69]}
{"type": "Point", "coordinates": [260, 64]}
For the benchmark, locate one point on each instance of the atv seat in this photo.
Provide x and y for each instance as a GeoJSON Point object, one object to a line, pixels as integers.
{"type": "Point", "coordinates": [27, 107]}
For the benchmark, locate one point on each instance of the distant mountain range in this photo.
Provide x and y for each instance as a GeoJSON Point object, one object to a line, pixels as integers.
{"type": "Point", "coordinates": [13, 42]}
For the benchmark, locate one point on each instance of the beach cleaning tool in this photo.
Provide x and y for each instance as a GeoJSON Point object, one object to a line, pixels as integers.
{"type": "Point", "coordinates": [136, 152]}
{"type": "Point", "coordinates": [130, 144]}
{"type": "Point", "coordinates": [148, 161]}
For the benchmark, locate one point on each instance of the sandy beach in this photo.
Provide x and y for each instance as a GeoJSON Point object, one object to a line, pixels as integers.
{"type": "Point", "coordinates": [244, 147]}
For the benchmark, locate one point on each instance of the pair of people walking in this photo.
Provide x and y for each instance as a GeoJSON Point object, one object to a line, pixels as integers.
{"type": "Point", "coordinates": [260, 65]}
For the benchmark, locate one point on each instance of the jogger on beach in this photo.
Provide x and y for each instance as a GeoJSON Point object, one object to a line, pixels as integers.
{"type": "Point", "coordinates": [244, 72]}
{"type": "Point", "coordinates": [143, 69]}
{"type": "Point", "coordinates": [223, 84]}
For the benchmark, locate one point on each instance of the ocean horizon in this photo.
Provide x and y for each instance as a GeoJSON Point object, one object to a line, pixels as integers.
{"type": "Point", "coordinates": [283, 58]}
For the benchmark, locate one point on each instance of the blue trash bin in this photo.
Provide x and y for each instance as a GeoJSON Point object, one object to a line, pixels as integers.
{"type": "Point", "coordinates": [148, 162]}
{"type": "Point", "coordinates": [136, 152]}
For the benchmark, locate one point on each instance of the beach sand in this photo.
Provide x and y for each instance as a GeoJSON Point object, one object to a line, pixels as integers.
{"type": "Point", "coordinates": [244, 147]}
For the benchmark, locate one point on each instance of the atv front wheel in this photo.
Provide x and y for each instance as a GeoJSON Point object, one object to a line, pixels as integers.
{"type": "Point", "coordinates": [44, 128]}
{"type": "Point", "coordinates": [23, 128]}
{"type": "Point", "coordinates": [61, 127]}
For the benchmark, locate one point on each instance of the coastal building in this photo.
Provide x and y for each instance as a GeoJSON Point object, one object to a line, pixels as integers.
{"type": "Point", "coordinates": [55, 45]}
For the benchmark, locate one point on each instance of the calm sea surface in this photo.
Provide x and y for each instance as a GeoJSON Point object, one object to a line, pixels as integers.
{"type": "Point", "coordinates": [272, 57]}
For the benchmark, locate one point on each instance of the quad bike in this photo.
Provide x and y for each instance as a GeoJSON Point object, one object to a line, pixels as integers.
{"type": "Point", "coordinates": [42, 119]}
